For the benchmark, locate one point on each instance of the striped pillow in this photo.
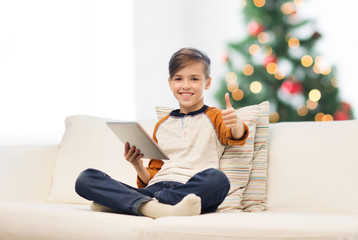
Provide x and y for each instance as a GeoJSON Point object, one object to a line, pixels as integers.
{"type": "Point", "coordinates": [254, 197]}
{"type": "Point", "coordinates": [238, 162]}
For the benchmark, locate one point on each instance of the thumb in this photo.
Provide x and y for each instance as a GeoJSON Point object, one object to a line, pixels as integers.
{"type": "Point", "coordinates": [228, 103]}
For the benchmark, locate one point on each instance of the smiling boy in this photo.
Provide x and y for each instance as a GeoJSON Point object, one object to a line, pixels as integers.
{"type": "Point", "coordinates": [193, 136]}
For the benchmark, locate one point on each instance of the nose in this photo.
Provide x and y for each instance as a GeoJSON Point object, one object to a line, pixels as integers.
{"type": "Point", "coordinates": [186, 84]}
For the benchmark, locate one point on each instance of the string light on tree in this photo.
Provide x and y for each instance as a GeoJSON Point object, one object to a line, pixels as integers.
{"type": "Point", "coordinates": [259, 3]}
{"type": "Point", "coordinates": [293, 43]}
{"type": "Point", "coordinates": [279, 75]}
{"type": "Point", "coordinates": [263, 37]}
{"type": "Point", "coordinates": [231, 77]}
{"type": "Point", "coordinates": [321, 66]}
{"type": "Point", "coordinates": [255, 87]}
{"type": "Point", "coordinates": [248, 70]}
{"type": "Point", "coordinates": [238, 94]}
{"type": "Point", "coordinates": [298, 3]}
{"type": "Point", "coordinates": [254, 49]}
{"type": "Point", "coordinates": [307, 60]}
{"type": "Point", "coordinates": [232, 84]}
{"type": "Point", "coordinates": [312, 105]}
{"type": "Point", "coordinates": [274, 117]}
{"type": "Point", "coordinates": [288, 8]}
{"type": "Point", "coordinates": [314, 95]}
{"type": "Point", "coordinates": [272, 68]}
{"type": "Point", "coordinates": [302, 110]}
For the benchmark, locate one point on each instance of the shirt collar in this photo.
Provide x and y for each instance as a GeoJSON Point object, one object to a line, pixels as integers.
{"type": "Point", "coordinates": [177, 113]}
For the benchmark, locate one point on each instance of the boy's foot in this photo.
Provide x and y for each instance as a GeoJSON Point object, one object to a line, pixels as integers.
{"type": "Point", "coordinates": [188, 206]}
{"type": "Point", "coordinates": [100, 208]}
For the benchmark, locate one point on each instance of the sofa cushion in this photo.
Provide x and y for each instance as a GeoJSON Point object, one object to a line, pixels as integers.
{"type": "Point", "coordinates": [88, 143]}
{"type": "Point", "coordinates": [28, 221]}
{"type": "Point", "coordinates": [239, 162]}
{"type": "Point", "coordinates": [313, 167]}
{"type": "Point", "coordinates": [258, 225]}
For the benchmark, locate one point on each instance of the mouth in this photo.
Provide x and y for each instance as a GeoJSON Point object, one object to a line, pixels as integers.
{"type": "Point", "coordinates": [186, 95]}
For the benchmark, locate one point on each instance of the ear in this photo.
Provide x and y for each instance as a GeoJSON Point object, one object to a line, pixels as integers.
{"type": "Point", "coordinates": [170, 84]}
{"type": "Point", "coordinates": [207, 83]}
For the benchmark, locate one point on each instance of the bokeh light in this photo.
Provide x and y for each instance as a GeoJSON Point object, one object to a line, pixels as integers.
{"type": "Point", "coordinates": [311, 104]}
{"type": "Point", "coordinates": [314, 95]}
{"type": "Point", "coordinates": [279, 75]}
{"type": "Point", "coordinates": [255, 87]}
{"type": "Point", "coordinates": [323, 117]}
{"type": "Point", "coordinates": [231, 77]}
{"type": "Point", "coordinates": [288, 8]}
{"type": "Point", "coordinates": [271, 68]}
{"type": "Point", "coordinates": [298, 3]}
{"type": "Point", "coordinates": [302, 111]}
{"type": "Point", "coordinates": [238, 94]}
{"type": "Point", "coordinates": [274, 117]}
{"type": "Point", "coordinates": [254, 49]}
{"type": "Point", "coordinates": [231, 86]}
{"type": "Point", "coordinates": [306, 60]}
{"type": "Point", "coordinates": [259, 3]}
{"type": "Point", "coordinates": [318, 117]}
{"type": "Point", "coordinates": [248, 70]}
{"type": "Point", "coordinates": [263, 37]}
{"type": "Point", "coordinates": [327, 117]}
{"type": "Point", "coordinates": [321, 66]}
{"type": "Point", "coordinates": [293, 43]}
{"type": "Point", "coordinates": [334, 82]}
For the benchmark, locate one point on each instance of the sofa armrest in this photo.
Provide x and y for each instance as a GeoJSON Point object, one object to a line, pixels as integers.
{"type": "Point", "coordinates": [26, 172]}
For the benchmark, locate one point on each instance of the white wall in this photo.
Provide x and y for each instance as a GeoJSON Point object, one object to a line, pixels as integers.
{"type": "Point", "coordinates": [59, 58]}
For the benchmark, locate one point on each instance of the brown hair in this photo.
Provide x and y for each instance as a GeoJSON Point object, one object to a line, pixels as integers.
{"type": "Point", "coordinates": [186, 56]}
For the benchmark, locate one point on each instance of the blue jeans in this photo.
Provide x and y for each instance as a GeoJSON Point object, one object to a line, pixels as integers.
{"type": "Point", "coordinates": [210, 185]}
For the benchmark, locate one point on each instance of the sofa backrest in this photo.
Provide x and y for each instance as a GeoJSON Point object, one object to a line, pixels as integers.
{"type": "Point", "coordinates": [313, 167]}
{"type": "Point", "coordinates": [26, 172]}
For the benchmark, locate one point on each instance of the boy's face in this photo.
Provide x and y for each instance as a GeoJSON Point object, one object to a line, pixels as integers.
{"type": "Point", "coordinates": [188, 86]}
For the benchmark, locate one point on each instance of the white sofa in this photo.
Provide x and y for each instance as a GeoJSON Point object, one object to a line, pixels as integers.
{"type": "Point", "coordinates": [312, 189]}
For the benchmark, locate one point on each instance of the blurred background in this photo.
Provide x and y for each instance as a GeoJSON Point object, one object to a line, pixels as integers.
{"type": "Point", "coordinates": [109, 58]}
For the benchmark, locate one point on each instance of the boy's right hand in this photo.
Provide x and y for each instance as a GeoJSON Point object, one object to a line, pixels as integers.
{"type": "Point", "coordinates": [133, 155]}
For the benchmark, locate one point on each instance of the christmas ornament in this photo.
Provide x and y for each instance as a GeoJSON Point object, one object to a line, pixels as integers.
{"type": "Point", "coordinates": [255, 28]}
{"type": "Point", "coordinates": [224, 58]}
{"type": "Point", "coordinates": [270, 59]}
{"type": "Point", "coordinates": [341, 115]}
{"type": "Point", "coordinates": [292, 87]}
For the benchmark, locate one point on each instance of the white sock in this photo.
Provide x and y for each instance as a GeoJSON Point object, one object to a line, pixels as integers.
{"type": "Point", "coordinates": [190, 205]}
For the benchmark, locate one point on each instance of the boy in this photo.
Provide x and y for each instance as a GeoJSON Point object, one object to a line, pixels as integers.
{"type": "Point", "coordinates": [193, 136]}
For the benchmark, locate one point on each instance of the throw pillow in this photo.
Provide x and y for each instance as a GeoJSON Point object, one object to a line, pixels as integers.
{"type": "Point", "coordinates": [87, 143]}
{"type": "Point", "coordinates": [254, 197]}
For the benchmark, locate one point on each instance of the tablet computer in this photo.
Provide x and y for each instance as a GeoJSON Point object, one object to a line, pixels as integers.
{"type": "Point", "coordinates": [135, 135]}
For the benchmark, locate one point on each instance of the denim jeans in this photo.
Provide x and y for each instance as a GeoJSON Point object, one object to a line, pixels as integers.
{"type": "Point", "coordinates": [210, 185]}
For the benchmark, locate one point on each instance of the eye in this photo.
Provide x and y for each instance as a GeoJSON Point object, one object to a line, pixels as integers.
{"type": "Point", "coordinates": [177, 79]}
{"type": "Point", "coordinates": [195, 79]}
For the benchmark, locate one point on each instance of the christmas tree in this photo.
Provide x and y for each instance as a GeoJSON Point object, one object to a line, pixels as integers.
{"type": "Point", "coordinates": [276, 61]}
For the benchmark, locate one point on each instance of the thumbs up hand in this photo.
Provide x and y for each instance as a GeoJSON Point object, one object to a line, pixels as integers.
{"type": "Point", "coordinates": [232, 120]}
